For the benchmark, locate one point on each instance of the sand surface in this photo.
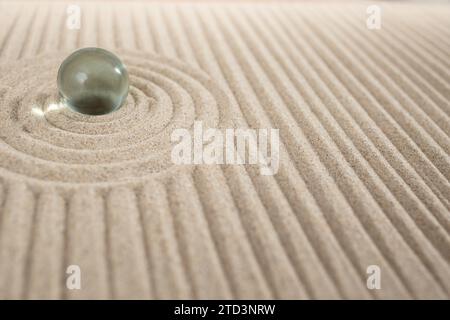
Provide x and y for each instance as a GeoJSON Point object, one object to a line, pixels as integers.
{"type": "Point", "coordinates": [364, 120]}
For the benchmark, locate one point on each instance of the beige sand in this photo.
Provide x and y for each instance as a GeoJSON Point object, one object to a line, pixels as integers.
{"type": "Point", "coordinates": [364, 173]}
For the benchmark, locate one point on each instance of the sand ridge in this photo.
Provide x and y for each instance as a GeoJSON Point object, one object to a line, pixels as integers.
{"type": "Point", "coordinates": [364, 167]}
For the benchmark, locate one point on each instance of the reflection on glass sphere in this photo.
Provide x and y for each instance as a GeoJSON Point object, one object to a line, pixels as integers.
{"type": "Point", "coordinates": [93, 81]}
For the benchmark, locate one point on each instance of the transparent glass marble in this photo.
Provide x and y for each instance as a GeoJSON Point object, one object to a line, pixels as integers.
{"type": "Point", "coordinates": [93, 81]}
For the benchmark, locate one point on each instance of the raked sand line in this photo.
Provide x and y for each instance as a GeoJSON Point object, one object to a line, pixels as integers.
{"type": "Point", "coordinates": [366, 172]}
{"type": "Point", "coordinates": [385, 205]}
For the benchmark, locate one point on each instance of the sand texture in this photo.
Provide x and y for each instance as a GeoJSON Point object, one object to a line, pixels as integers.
{"type": "Point", "coordinates": [364, 120]}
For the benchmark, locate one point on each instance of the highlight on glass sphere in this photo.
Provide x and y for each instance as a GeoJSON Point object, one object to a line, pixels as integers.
{"type": "Point", "coordinates": [93, 81]}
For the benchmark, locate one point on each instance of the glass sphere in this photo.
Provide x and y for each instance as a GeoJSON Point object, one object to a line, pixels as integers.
{"type": "Point", "coordinates": [93, 81]}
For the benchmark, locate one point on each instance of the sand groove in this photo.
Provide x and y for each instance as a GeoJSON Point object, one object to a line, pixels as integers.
{"type": "Point", "coordinates": [299, 141]}
{"type": "Point", "coordinates": [364, 172]}
{"type": "Point", "coordinates": [364, 169]}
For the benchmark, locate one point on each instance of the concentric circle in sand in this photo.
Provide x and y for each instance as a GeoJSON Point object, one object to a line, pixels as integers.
{"type": "Point", "coordinates": [43, 140]}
